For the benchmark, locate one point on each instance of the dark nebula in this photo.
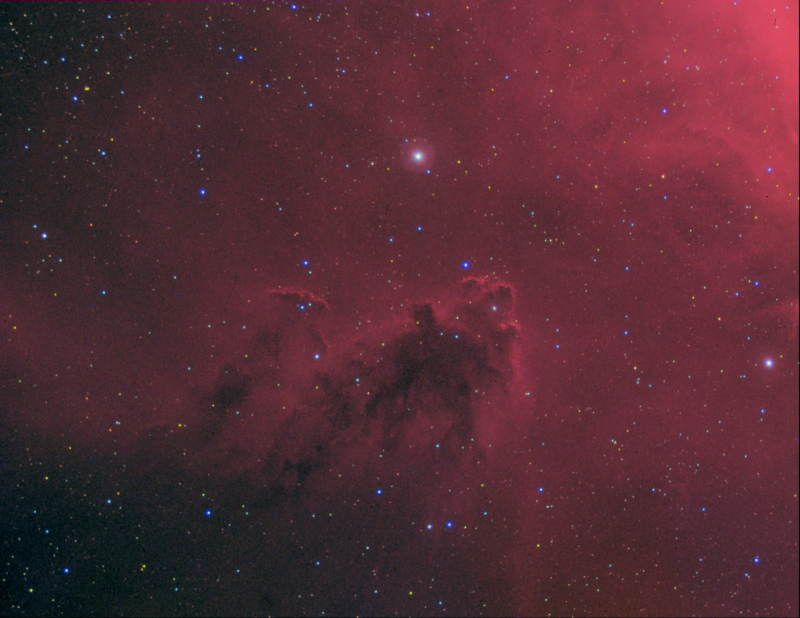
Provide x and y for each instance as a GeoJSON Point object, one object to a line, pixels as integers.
{"type": "Point", "coordinates": [399, 309]}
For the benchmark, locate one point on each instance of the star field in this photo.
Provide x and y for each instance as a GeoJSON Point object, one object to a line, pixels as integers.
{"type": "Point", "coordinates": [399, 309]}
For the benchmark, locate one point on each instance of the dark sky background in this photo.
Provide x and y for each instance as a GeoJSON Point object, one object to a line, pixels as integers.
{"type": "Point", "coordinates": [451, 308]}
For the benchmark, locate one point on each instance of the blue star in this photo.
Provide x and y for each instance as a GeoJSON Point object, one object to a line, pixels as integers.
{"type": "Point", "coordinates": [664, 110]}
{"type": "Point", "coordinates": [202, 191]}
{"type": "Point", "coordinates": [208, 513]}
{"type": "Point", "coordinates": [465, 264]}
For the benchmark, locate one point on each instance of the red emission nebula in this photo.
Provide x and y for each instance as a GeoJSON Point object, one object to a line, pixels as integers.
{"type": "Point", "coordinates": [412, 308]}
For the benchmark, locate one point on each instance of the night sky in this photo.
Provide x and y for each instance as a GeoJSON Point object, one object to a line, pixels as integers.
{"type": "Point", "coordinates": [450, 308]}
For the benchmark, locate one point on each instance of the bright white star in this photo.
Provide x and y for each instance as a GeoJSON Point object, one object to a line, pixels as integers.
{"type": "Point", "coordinates": [417, 155]}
